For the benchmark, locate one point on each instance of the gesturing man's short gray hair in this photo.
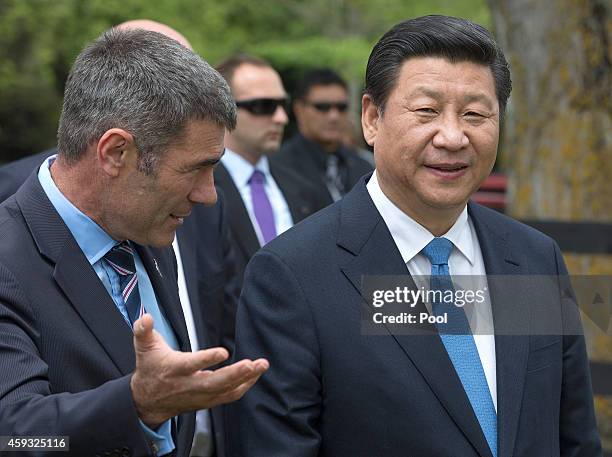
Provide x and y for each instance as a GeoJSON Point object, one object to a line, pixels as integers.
{"type": "Point", "coordinates": [142, 82]}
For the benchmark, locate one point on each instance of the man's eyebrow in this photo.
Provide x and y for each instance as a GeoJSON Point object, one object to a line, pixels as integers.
{"type": "Point", "coordinates": [482, 98]}
{"type": "Point", "coordinates": [468, 98]}
{"type": "Point", "coordinates": [208, 162]}
{"type": "Point", "coordinates": [422, 90]}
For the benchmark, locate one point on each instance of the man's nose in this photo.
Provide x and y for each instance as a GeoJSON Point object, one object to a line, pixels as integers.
{"type": "Point", "coordinates": [450, 134]}
{"type": "Point", "coordinates": [280, 116]}
{"type": "Point", "coordinates": [204, 190]}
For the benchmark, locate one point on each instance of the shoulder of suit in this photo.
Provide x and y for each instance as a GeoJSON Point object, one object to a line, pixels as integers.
{"type": "Point", "coordinates": [502, 223]}
{"type": "Point", "coordinates": [279, 169]}
{"type": "Point", "coordinates": [16, 236]}
{"type": "Point", "coordinates": [290, 150]}
{"type": "Point", "coordinates": [354, 160]}
{"type": "Point", "coordinates": [14, 174]}
{"type": "Point", "coordinates": [315, 235]}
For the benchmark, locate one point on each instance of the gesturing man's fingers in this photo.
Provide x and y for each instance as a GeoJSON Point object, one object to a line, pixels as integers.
{"type": "Point", "coordinates": [187, 363]}
{"type": "Point", "coordinates": [229, 378]}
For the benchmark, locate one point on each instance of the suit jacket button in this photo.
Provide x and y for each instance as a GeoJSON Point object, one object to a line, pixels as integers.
{"type": "Point", "coordinates": [125, 452]}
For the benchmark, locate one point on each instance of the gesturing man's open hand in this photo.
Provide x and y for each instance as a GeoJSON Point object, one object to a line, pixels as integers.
{"type": "Point", "coordinates": [167, 383]}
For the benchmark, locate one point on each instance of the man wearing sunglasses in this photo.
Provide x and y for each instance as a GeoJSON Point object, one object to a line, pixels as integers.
{"type": "Point", "coordinates": [263, 199]}
{"type": "Point", "coordinates": [317, 149]}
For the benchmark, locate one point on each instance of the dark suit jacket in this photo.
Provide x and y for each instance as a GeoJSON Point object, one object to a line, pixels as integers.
{"type": "Point", "coordinates": [208, 263]}
{"type": "Point", "coordinates": [333, 391]}
{"type": "Point", "coordinates": [302, 155]}
{"type": "Point", "coordinates": [302, 198]}
{"type": "Point", "coordinates": [66, 354]}
{"type": "Point", "coordinates": [14, 174]}
{"type": "Point", "coordinates": [213, 286]}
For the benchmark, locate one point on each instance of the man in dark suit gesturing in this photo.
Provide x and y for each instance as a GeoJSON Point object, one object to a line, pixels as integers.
{"type": "Point", "coordinates": [91, 330]}
{"type": "Point", "coordinates": [435, 90]}
{"type": "Point", "coordinates": [208, 282]}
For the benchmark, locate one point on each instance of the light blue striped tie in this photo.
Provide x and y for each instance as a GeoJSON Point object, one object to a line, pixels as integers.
{"type": "Point", "coordinates": [457, 338]}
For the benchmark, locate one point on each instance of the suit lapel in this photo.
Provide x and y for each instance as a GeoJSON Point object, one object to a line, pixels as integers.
{"type": "Point", "coordinates": [78, 280]}
{"type": "Point", "coordinates": [239, 220]}
{"type": "Point", "coordinates": [75, 276]}
{"type": "Point", "coordinates": [363, 233]}
{"type": "Point", "coordinates": [298, 205]}
{"type": "Point", "coordinates": [158, 264]}
{"type": "Point", "coordinates": [510, 311]}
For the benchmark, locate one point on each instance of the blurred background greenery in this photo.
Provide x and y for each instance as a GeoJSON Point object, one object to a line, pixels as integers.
{"type": "Point", "coordinates": [41, 38]}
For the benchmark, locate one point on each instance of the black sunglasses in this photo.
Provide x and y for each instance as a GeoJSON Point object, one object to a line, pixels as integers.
{"type": "Point", "coordinates": [263, 106]}
{"type": "Point", "coordinates": [324, 107]}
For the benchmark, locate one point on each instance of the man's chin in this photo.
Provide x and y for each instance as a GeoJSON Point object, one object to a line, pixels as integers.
{"type": "Point", "coordinates": [161, 241]}
{"type": "Point", "coordinates": [447, 203]}
{"type": "Point", "coordinates": [271, 148]}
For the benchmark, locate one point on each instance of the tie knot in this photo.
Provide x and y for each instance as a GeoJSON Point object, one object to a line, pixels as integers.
{"type": "Point", "coordinates": [257, 177]}
{"type": "Point", "coordinates": [438, 251]}
{"type": "Point", "coordinates": [121, 258]}
{"type": "Point", "coordinates": [332, 160]}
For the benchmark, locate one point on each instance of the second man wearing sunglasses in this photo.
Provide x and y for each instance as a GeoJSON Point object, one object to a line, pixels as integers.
{"type": "Point", "coordinates": [263, 199]}
{"type": "Point", "coordinates": [317, 150]}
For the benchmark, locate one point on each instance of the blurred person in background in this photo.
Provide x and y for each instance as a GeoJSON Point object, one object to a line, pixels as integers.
{"type": "Point", "coordinates": [264, 198]}
{"type": "Point", "coordinates": [317, 150]}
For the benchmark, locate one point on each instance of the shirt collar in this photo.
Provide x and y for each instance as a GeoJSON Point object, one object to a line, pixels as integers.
{"type": "Point", "coordinates": [241, 169]}
{"type": "Point", "coordinates": [91, 238]}
{"type": "Point", "coordinates": [410, 236]}
{"type": "Point", "coordinates": [319, 155]}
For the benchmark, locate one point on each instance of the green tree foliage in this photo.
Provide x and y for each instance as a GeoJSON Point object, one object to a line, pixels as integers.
{"type": "Point", "coordinates": [40, 39]}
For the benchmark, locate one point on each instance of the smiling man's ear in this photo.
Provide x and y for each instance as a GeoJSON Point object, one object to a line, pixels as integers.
{"type": "Point", "coordinates": [369, 119]}
{"type": "Point", "coordinates": [116, 149]}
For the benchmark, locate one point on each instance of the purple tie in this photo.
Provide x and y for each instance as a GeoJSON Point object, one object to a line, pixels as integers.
{"type": "Point", "coordinates": [261, 206]}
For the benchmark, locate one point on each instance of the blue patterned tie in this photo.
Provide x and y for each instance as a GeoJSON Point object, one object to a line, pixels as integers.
{"type": "Point", "coordinates": [459, 342]}
{"type": "Point", "coordinates": [121, 259]}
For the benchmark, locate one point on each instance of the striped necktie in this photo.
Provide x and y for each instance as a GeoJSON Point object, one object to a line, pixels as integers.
{"type": "Point", "coordinates": [458, 340]}
{"type": "Point", "coordinates": [121, 259]}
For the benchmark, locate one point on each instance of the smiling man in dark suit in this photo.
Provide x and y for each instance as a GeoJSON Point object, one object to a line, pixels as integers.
{"type": "Point", "coordinates": [92, 337]}
{"type": "Point", "coordinates": [436, 88]}
{"type": "Point", "coordinates": [263, 198]}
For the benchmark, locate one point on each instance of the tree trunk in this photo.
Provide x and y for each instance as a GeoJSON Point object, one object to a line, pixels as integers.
{"type": "Point", "coordinates": [556, 144]}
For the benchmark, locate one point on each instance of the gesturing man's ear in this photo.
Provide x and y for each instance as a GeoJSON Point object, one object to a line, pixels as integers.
{"type": "Point", "coordinates": [116, 148]}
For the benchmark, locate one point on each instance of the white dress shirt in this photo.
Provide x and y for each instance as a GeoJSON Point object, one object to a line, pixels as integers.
{"type": "Point", "coordinates": [241, 171]}
{"type": "Point", "coordinates": [465, 259]}
{"type": "Point", "coordinates": [203, 443]}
